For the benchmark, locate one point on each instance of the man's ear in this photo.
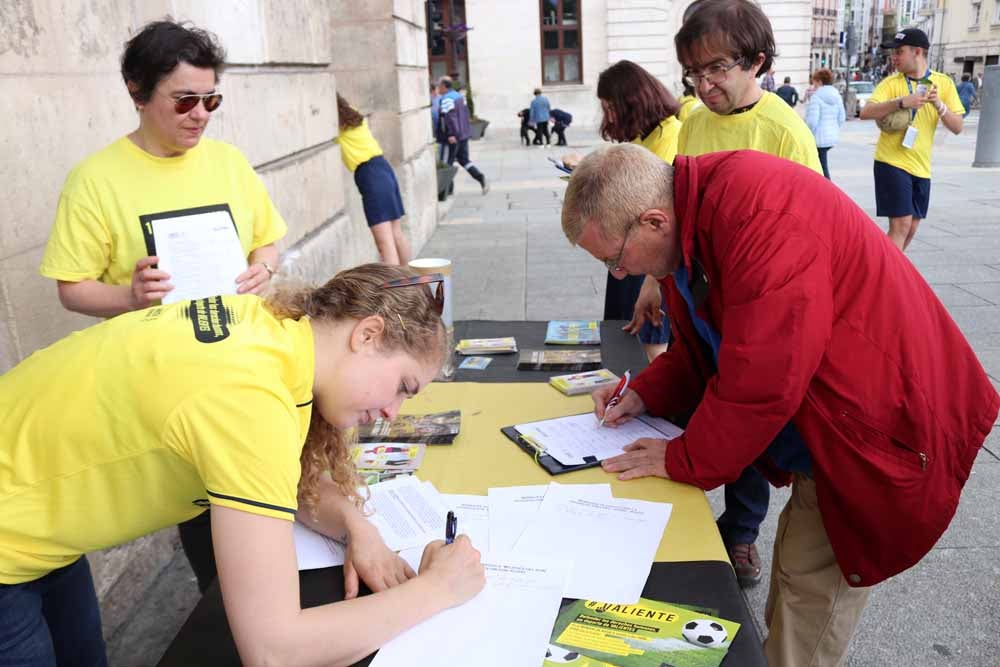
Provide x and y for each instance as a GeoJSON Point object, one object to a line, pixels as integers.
{"type": "Point", "coordinates": [367, 333]}
{"type": "Point", "coordinates": [655, 218]}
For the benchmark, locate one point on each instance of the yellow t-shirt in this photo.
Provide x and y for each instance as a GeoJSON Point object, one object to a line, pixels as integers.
{"type": "Point", "coordinates": [662, 140]}
{"type": "Point", "coordinates": [357, 145]}
{"type": "Point", "coordinates": [99, 232]}
{"type": "Point", "coordinates": [771, 126]}
{"type": "Point", "coordinates": [140, 422]}
{"type": "Point", "coordinates": [917, 160]}
{"type": "Point", "coordinates": [688, 104]}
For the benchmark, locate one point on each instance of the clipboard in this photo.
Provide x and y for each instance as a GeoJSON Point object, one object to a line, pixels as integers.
{"type": "Point", "coordinates": [546, 461]}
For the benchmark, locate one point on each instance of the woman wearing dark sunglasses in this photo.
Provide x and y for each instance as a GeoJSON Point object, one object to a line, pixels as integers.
{"type": "Point", "coordinates": [99, 252]}
{"type": "Point", "coordinates": [254, 412]}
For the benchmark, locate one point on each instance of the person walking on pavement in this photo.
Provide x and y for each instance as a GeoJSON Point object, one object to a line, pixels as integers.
{"type": "Point", "coordinates": [561, 120]}
{"type": "Point", "coordinates": [453, 131]}
{"type": "Point", "coordinates": [767, 83]}
{"type": "Point", "coordinates": [966, 93]}
{"type": "Point", "coordinates": [788, 93]}
{"type": "Point", "coordinates": [539, 117]}
{"type": "Point", "coordinates": [918, 98]}
{"type": "Point", "coordinates": [805, 345]}
{"type": "Point", "coordinates": [723, 46]}
{"type": "Point", "coordinates": [825, 115]}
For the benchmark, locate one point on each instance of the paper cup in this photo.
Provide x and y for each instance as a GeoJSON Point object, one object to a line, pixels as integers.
{"type": "Point", "coordinates": [442, 266]}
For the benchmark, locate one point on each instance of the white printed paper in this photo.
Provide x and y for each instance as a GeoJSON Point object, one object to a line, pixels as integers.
{"type": "Point", "coordinates": [314, 551]}
{"type": "Point", "coordinates": [611, 542]}
{"type": "Point", "coordinates": [201, 252]}
{"type": "Point", "coordinates": [507, 623]}
{"type": "Point", "coordinates": [406, 512]}
{"type": "Point", "coordinates": [569, 439]}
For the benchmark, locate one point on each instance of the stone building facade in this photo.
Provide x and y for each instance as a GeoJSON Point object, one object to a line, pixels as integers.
{"type": "Point", "coordinates": [63, 98]}
{"type": "Point", "coordinates": [510, 49]}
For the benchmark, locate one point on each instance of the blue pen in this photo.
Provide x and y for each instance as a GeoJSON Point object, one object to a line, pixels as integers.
{"type": "Point", "coordinates": [450, 527]}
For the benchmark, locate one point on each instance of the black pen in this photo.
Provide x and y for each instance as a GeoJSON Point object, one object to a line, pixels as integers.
{"type": "Point", "coordinates": [450, 527]}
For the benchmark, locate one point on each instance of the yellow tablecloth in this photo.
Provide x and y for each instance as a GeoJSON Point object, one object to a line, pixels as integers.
{"type": "Point", "coordinates": [482, 457]}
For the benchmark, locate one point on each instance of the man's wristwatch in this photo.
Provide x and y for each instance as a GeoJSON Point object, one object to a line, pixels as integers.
{"type": "Point", "coordinates": [270, 270]}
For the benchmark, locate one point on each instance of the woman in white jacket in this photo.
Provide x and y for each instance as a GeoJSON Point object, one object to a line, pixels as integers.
{"type": "Point", "coordinates": [825, 114]}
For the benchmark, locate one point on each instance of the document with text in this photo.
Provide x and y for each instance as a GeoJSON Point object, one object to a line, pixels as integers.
{"type": "Point", "coordinates": [611, 542]}
{"type": "Point", "coordinates": [507, 623]}
{"type": "Point", "coordinates": [314, 551]}
{"type": "Point", "coordinates": [201, 252]}
{"type": "Point", "coordinates": [570, 439]}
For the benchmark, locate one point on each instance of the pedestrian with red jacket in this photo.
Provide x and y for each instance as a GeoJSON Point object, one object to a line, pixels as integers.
{"type": "Point", "coordinates": [805, 344]}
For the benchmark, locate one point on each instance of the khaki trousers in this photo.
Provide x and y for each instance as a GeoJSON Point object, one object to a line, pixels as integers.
{"type": "Point", "coordinates": [811, 612]}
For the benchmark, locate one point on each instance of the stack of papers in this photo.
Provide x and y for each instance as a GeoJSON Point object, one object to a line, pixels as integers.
{"type": "Point", "coordinates": [469, 346]}
{"type": "Point", "coordinates": [574, 439]}
{"type": "Point", "coordinates": [583, 383]}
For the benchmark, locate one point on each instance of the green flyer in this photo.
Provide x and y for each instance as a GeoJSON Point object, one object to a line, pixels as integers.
{"type": "Point", "coordinates": [646, 634]}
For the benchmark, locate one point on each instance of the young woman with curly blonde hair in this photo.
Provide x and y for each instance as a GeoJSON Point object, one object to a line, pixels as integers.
{"type": "Point", "coordinates": [247, 405]}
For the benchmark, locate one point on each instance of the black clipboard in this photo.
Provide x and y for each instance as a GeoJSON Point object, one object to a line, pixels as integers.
{"type": "Point", "coordinates": [548, 463]}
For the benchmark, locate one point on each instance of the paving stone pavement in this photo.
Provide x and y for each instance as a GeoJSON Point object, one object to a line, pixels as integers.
{"type": "Point", "coordinates": [512, 262]}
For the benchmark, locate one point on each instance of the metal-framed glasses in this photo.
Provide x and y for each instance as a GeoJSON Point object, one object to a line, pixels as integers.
{"type": "Point", "coordinates": [437, 296]}
{"type": "Point", "coordinates": [185, 103]}
{"type": "Point", "coordinates": [714, 74]}
{"type": "Point", "coordinates": [615, 264]}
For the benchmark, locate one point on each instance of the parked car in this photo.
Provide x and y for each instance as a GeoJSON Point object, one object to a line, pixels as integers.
{"type": "Point", "coordinates": [862, 91]}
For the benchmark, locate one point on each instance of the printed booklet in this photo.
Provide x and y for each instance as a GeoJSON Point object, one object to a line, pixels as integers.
{"type": "Point", "coordinates": [477, 346]}
{"type": "Point", "coordinates": [583, 383]}
{"type": "Point", "coordinates": [559, 360]}
{"type": "Point", "coordinates": [646, 634]}
{"type": "Point", "coordinates": [397, 456]}
{"type": "Point", "coordinates": [440, 428]}
{"type": "Point", "coordinates": [573, 332]}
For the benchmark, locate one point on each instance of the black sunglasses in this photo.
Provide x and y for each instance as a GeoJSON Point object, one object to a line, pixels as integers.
{"type": "Point", "coordinates": [437, 296]}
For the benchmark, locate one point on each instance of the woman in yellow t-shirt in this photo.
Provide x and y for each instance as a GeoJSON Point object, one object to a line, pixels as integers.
{"type": "Point", "coordinates": [102, 249]}
{"type": "Point", "coordinates": [376, 182]}
{"type": "Point", "coordinates": [640, 109]}
{"type": "Point", "coordinates": [244, 404]}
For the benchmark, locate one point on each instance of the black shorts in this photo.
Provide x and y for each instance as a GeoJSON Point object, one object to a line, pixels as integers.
{"type": "Point", "coordinates": [899, 193]}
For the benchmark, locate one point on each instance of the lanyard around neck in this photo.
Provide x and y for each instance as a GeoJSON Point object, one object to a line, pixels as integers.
{"type": "Point", "coordinates": [909, 87]}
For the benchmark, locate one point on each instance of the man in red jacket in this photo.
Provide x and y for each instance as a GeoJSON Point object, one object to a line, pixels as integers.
{"type": "Point", "coordinates": [806, 345]}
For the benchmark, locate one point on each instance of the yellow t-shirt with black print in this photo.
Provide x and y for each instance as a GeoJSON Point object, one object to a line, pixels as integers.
{"type": "Point", "coordinates": [103, 221]}
{"type": "Point", "coordinates": [915, 161]}
{"type": "Point", "coordinates": [357, 145]}
{"type": "Point", "coordinates": [140, 422]}
{"type": "Point", "coordinates": [771, 126]}
{"type": "Point", "coordinates": [663, 139]}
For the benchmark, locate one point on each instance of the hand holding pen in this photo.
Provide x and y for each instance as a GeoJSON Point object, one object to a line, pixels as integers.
{"type": "Point", "coordinates": [616, 406]}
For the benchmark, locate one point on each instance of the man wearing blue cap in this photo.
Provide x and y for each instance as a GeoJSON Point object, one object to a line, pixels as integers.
{"type": "Point", "coordinates": [907, 106]}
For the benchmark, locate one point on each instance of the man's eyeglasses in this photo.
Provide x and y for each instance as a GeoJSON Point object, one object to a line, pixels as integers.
{"type": "Point", "coordinates": [615, 264]}
{"type": "Point", "coordinates": [713, 73]}
{"type": "Point", "coordinates": [437, 296]}
{"type": "Point", "coordinates": [186, 103]}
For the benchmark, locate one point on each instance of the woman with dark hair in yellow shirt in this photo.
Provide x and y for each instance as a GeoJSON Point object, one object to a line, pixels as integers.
{"type": "Point", "coordinates": [134, 424]}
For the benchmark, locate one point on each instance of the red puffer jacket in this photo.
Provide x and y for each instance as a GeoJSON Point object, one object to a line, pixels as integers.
{"type": "Point", "coordinates": [826, 324]}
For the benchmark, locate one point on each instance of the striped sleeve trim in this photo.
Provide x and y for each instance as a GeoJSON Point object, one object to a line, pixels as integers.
{"type": "Point", "coordinates": [255, 503]}
{"type": "Point", "coordinates": [447, 105]}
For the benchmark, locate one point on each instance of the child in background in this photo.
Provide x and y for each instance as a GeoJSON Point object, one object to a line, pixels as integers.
{"type": "Point", "coordinates": [376, 182]}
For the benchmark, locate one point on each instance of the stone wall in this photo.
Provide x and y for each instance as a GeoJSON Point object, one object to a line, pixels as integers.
{"type": "Point", "coordinates": [62, 98]}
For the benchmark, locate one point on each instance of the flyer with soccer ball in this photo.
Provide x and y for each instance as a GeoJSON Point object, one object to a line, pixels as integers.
{"type": "Point", "coordinates": [646, 634]}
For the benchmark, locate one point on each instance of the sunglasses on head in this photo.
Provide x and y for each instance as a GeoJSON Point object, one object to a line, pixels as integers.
{"type": "Point", "coordinates": [186, 103]}
{"type": "Point", "coordinates": [437, 296]}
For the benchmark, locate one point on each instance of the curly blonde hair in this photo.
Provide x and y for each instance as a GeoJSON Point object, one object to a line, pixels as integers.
{"type": "Point", "coordinates": [412, 325]}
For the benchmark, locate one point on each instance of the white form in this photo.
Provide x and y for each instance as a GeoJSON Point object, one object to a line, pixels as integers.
{"type": "Point", "coordinates": [473, 513]}
{"type": "Point", "coordinates": [201, 252]}
{"type": "Point", "coordinates": [569, 439]}
{"type": "Point", "coordinates": [314, 551]}
{"type": "Point", "coordinates": [611, 543]}
{"type": "Point", "coordinates": [512, 508]}
{"type": "Point", "coordinates": [406, 512]}
{"type": "Point", "coordinates": [508, 623]}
